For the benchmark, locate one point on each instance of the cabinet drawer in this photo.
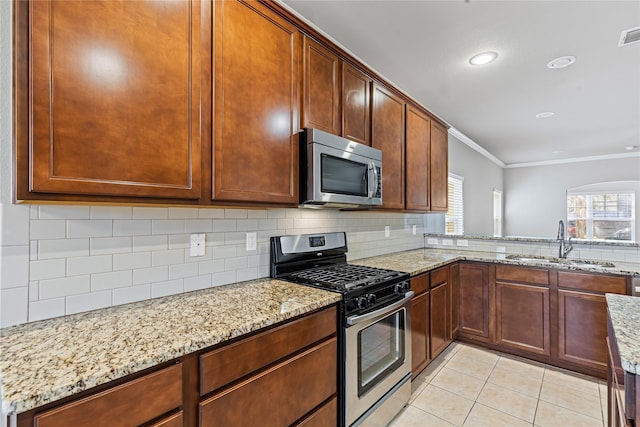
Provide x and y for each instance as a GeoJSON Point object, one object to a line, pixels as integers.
{"type": "Point", "coordinates": [131, 403]}
{"type": "Point", "coordinates": [174, 420]}
{"type": "Point", "coordinates": [279, 396]}
{"type": "Point", "coordinates": [229, 363]}
{"type": "Point", "coordinates": [439, 276]}
{"type": "Point", "coordinates": [325, 416]}
{"type": "Point", "coordinates": [522, 274]}
{"type": "Point", "coordinates": [420, 283]}
{"type": "Point", "coordinates": [592, 282]}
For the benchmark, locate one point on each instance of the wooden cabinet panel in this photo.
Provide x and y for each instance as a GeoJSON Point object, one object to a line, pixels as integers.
{"type": "Point", "coordinates": [474, 301]}
{"type": "Point", "coordinates": [454, 279]}
{"type": "Point", "coordinates": [257, 61]}
{"type": "Point", "coordinates": [175, 420]}
{"type": "Point", "coordinates": [439, 167]}
{"type": "Point", "coordinates": [231, 362]}
{"type": "Point", "coordinates": [356, 105]}
{"type": "Point", "coordinates": [582, 329]}
{"type": "Point", "coordinates": [594, 282]}
{"type": "Point", "coordinates": [522, 317]}
{"type": "Point", "coordinates": [116, 101]}
{"type": "Point", "coordinates": [134, 402]}
{"type": "Point", "coordinates": [325, 416]}
{"type": "Point", "coordinates": [420, 283]}
{"type": "Point", "coordinates": [321, 108]}
{"type": "Point", "coordinates": [439, 318]}
{"type": "Point", "coordinates": [438, 277]}
{"type": "Point", "coordinates": [418, 168]}
{"type": "Point", "coordinates": [388, 136]}
{"type": "Point", "coordinates": [278, 396]}
{"type": "Point", "coordinates": [419, 332]}
{"type": "Point", "coordinates": [522, 274]}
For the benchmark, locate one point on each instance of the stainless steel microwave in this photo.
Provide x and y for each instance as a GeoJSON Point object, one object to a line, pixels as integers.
{"type": "Point", "coordinates": [338, 173]}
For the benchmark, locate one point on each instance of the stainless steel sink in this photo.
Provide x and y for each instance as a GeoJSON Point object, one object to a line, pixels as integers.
{"type": "Point", "coordinates": [558, 262]}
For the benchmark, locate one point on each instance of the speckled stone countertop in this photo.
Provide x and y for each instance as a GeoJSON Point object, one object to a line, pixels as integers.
{"type": "Point", "coordinates": [45, 361]}
{"type": "Point", "coordinates": [625, 317]}
{"type": "Point", "coordinates": [422, 260]}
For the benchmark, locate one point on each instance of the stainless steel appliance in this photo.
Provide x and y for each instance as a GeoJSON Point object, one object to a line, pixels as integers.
{"type": "Point", "coordinates": [375, 323]}
{"type": "Point", "coordinates": [338, 173]}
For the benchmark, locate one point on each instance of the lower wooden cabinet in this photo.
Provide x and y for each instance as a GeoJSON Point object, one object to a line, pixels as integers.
{"type": "Point", "coordinates": [474, 301]}
{"type": "Point", "coordinates": [439, 311]}
{"type": "Point", "coordinates": [454, 278]}
{"type": "Point", "coordinates": [419, 332]}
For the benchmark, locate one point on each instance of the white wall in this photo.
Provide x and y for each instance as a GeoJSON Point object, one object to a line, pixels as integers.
{"type": "Point", "coordinates": [535, 197]}
{"type": "Point", "coordinates": [481, 177]}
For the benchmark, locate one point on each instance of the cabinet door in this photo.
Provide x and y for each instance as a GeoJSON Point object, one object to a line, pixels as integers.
{"type": "Point", "coordinates": [388, 136]}
{"type": "Point", "coordinates": [418, 168]}
{"type": "Point", "coordinates": [257, 54]}
{"type": "Point", "coordinates": [454, 279]}
{"type": "Point", "coordinates": [356, 105]}
{"type": "Point", "coordinates": [474, 301]}
{"type": "Point", "coordinates": [522, 317]}
{"type": "Point", "coordinates": [419, 333]}
{"type": "Point", "coordinates": [439, 318]}
{"type": "Point", "coordinates": [117, 98]}
{"type": "Point", "coordinates": [321, 108]}
{"type": "Point", "coordinates": [582, 329]}
{"type": "Point", "coordinates": [439, 167]}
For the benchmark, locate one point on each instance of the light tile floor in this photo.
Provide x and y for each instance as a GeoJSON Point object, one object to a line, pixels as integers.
{"type": "Point", "coordinates": [473, 387]}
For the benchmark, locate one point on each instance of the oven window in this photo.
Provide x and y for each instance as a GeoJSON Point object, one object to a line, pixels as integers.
{"type": "Point", "coordinates": [341, 176]}
{"type": "Point", "coordinates": [380, 350]}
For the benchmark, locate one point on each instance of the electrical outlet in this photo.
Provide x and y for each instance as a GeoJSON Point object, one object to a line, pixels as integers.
{"type": "Point", "coordinates": [197, 247]}
{"type": "Point", "coordinates": [387, 231]}
{"type": "Point", "coordinates": [464, 243]}
{"type": "Point", "coordinates": [447, 242]}
{"type": "Point", "coordinates": [414, 230]}
{"type": "Point", "coordinates": [251, 241]}
{"type": "Point", "coordinates": [432, 241]}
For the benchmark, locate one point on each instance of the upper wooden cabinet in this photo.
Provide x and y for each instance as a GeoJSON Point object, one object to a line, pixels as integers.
{"type": "Point", "coordinates": [439, 171]}
{"type": "Point", "coordinates": [257, 65]}
{"type": "Point", "coordinates": [418, 164]}
{"type": "Point", "coordinates": [356, 105]}
{"type": "Point", "coordinates": [388, 136]}
{"type": "Point", "coordinates": [109, 97]}
{"type": "Point", "coordinates": [321, 108]}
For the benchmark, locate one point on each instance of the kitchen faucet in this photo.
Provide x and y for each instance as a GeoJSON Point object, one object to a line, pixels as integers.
{"type": "Point", "coordinates": [564, 249]}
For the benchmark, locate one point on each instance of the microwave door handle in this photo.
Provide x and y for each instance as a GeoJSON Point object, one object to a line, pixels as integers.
{"type": "Point", "coordinates": [373, 179]}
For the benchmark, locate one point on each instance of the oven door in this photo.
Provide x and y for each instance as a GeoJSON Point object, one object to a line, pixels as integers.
{"type": "Point", "coordinates": [378, 349]}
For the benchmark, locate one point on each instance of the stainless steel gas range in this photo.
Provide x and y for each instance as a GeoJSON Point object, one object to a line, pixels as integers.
{"type": "Point", "coordinates": [375, 333]}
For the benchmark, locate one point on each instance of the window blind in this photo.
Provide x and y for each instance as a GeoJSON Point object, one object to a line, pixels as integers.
{"type": "Point", "coordinates": [454, 220]}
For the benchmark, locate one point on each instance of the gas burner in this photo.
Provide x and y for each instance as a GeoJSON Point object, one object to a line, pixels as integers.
{"type": "Point", "coordinates": [343, 276]}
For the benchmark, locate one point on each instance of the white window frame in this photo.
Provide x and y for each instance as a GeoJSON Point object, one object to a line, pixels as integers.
{"type": "Point", "coordinates": [590, 217]}
{"type": "Point", "coordinates": [454, 219]}
{"type": "Point", "coordinates": [498, 209]}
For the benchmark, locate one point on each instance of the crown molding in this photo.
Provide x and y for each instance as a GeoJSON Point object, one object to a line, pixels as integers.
{"type": "Point", "coordinates": [472, 144]}
{"type": "Point", "coordinates": [572, 160]}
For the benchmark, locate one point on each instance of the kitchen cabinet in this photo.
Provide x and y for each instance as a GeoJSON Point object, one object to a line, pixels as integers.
{"type": "Point", "coordinates": [321, 82]}
{"type": "Point", "coordinates": [418, 164]}
{"type": "Point", "coordinates": [439, 170]}
{"type": "Point", "coordinates": [387, 135]}
{"type": "Point", "coordinates": [439, 311]}
{"type": "Point", "coordinates": [420, 352]}
{"type": "Point", "coordinates": [522, 309]}
{"type": "Point", "coordinates": [256, 119]}
{"type": "Point", "coordinates": [356, 105]}
{"type": "Point", "coordinates": [623, 400]}
{"type": "Point", "coordinates": [474, 302]}
{"type": "Point", "coordinates": [454, 278]}
{"type": "Point", "coordinates": [90, 118]}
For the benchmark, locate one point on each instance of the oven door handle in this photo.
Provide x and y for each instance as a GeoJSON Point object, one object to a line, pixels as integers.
{"type": "Point", "coordinates": [354, 320]}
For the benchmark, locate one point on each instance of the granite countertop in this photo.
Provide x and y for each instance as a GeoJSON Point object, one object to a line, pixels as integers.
{"type": "Point", "coordinates": [624, 311]}
{"type": "Point", "coordinates": [45, 361]}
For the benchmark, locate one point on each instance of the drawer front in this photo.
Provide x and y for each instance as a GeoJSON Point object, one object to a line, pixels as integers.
{"type": "Point", "coordinates": [327, 415]}
{"type": "Point", "coordinates": [439, 276]}
{"type": "Point", "coordinates": [131, 404]}
{"type": "Point", "coordinates": [174, 420]}
{"type": "Point", "coordinates": [279, 396]}
{"type": "Point", "coordinates": [229, 363]}
{"type": "Point", "coordinates": [522, 274]}
{"type": "Point", "coordinates": [420, 283]}
{"type": "Point", "coordinates": [593, 282]}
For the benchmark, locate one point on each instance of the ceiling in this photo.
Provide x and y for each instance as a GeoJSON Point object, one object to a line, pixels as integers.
{"type": "Point", "coordinates": [423, 47]}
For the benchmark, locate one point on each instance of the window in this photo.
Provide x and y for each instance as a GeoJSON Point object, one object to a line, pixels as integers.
{"type": "Point", "coordinates": [497, 213]}
{"type": "Point", "coordinates": [454, 220]}
{"type": "Point", "coordinates": [601, 216]}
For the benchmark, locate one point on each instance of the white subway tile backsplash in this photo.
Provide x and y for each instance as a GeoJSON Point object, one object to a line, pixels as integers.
{"type": "Point", "coordinates": [257, 213]}
{"type": "Point", "coordinates": [285, 223]}
{"type": "Point", "coordinates": [276, 213]}
{"type": "Point", "coordinates": [86, 302]}
{"type": "Point", "coordinates": [212, 266]}
{"type": "Point", "coordinates": [62, 248]}
{"type": "Point", "coordinates": [116, 279]}
{"type": "Point", "coordinates": [33, 250]}
{"type": "Point", "coordinates": [235, 213]}
{"type": "Point", "coordinates": [247, 225]}
{"type": "Point", "coordinates": [150, 213]}
{"type": "Point", "coordinates": [236, 263]}
{"type": "Point", "coordinates": [14, 266]}
{"type": "Point", "coordinates": [179, 241]}
{"type": "Point", "coordinates": [131, 294]}
{"type": "Point", "coordinates": [247, 274]}
{"type": "Point", "coordinates": [46, 309]}
{"type": "Point", "coordinates": [149, 243]}
{"type": "Point", "coordinates": [196, 283]}
{"type": "Point", "coordinates": [267, 224]}
{"type": "Point", "coordinates": [64, 212]}
{"type": "Point", "coordinates": [167, 226]}
{"type": "Point", "coordinates": [34, 212]}
{"type": "Point", "coordinates": [87, 265]}
{"type": "Point", "coordinates": [180, 271]}
{"type": "Point", "coordinates": [198, 226]}
{"type": "Point", "coordinates": [170, 287]}
{"type": "Point", "coordinates": [183, 213]}
{"type": "Point", "coordinates": [223, 252]}
{"type": "Point", "coordinates": [224, 225]}
{"type": "Point", "coordinates": [111, 212]}
{"type": "Point", "coordinates": [132, 227]}
{"type": "Point", "coordinates": [48, 229]}
{"type": "Point", "coordinates": [210, 213]}
{"type": "Point", "coordinates": [33, 291]}
{"type": "Point", "coordinates": [110, 245]}
{"type": "Point", "coordinates": [219, 279]}
{"type": "Point", "coordinates": [173, 256]}
{"type": "Point", "coordinates": [131, 261]}
{"type": "Point", "coordinates": [53, 288]}
{"type": "Point", "coordinates": [150, 275]}
{"type": "Point", "coordinates": [47, 269]}
{"type": "Point", "coordinates": [13, 306]}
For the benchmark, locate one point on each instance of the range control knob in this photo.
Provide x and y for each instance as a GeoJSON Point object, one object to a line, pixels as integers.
{"type": "Point", "coordinates": [401, 287]}
{"type": "Point", "coordinates": [362, 302]}
{"type": "Point", "coordinates": [371, 299]}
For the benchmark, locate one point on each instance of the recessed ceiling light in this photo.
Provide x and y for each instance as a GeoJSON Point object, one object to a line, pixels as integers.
{"type": "Point", "coordinates": [562, 62]}
{"type": "Point", "coordinates": [483, 58]}
{"type": "Point", "coordinates": [630, 147]}
{"type": "Point", "coordinates": [545, 114]}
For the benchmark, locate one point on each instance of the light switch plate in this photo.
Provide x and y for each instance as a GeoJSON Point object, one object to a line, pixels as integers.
{"type": "Point", "coordinates": [387, 231]}
{"type": "Point", "coordinates": [197, 246]}
{"type": "Point", "coordinates": [414, 230]}
{"type": "Point", "coordinates": [251, 241]}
